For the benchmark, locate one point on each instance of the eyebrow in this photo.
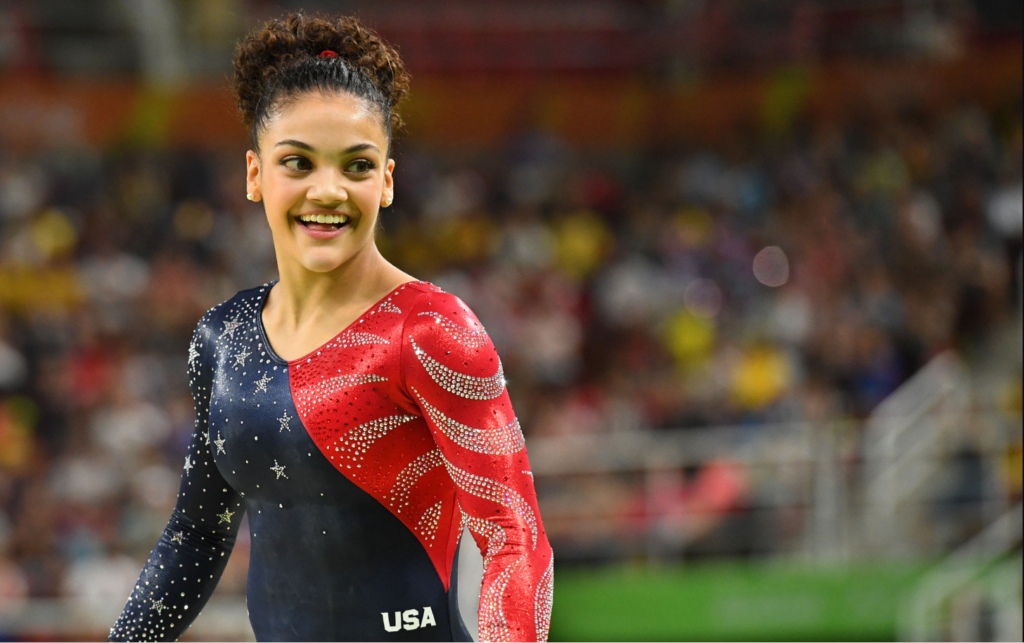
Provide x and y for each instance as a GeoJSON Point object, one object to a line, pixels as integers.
{"type": "Point", "coordinates": [309, 148]}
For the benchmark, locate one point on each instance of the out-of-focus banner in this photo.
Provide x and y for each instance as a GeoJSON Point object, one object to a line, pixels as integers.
{"type": "Point", "coordinates": [586, 110]}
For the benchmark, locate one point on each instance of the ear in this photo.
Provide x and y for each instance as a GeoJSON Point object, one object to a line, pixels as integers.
{"type": "Point", "coordinates": [387, 194]}
{"type": "Point", "coordinates": [252, 175]}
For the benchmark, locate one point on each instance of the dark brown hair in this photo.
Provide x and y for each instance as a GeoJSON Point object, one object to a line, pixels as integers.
{"type": "Point", "coordinates": [282, 60]}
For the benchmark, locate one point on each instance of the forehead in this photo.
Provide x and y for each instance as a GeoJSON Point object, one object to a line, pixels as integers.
{"type": "Point", "coordinates": [325, 121]}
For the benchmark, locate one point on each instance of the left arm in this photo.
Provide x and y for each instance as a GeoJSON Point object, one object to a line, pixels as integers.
{"type": "Point", "coordinates": [452, 371]}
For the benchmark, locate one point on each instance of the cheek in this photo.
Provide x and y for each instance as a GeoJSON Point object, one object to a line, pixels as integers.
{"type": "Point", "coordinates": [367, 195]}
{"type": "Point", "coordinates": [280, 198]}
{"type": "Point", "coordinates": [282, 193]}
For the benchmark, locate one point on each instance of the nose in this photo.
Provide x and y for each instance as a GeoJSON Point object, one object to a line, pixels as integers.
{"type": "Point", "coordinates": [328, 187]}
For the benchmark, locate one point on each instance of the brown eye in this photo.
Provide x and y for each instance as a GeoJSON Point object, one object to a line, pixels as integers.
{"type": "Point", "coordinates": [297, 163]}
{"type": "Point", "coordinates": [360, 166]}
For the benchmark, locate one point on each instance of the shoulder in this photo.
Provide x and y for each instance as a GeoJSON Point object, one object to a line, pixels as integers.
{"type": "Point", "coordinates": [431, 309]}
{"type": "Point", "coordinates": [440, 323]}
{"type": "Point", "coordinates": [230, 319]}
{"type": "Point", "coordinates": [445, 346]}
{"type": "Point", "coordinates": [240, 310]}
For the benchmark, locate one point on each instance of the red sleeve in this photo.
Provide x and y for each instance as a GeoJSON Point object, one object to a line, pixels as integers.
{"type": "Point", "coordinates": [452, 371]}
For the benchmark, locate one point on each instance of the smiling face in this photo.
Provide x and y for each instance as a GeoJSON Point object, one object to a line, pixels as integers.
{"type": "Point", "coordinates": [322, 173]}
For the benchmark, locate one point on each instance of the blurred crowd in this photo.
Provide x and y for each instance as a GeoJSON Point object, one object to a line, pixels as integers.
{"type": "Point", "coordinates": [801, 278]}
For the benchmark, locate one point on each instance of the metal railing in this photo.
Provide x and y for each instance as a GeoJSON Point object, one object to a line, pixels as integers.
{"type": "Point", "coordinates": [981, 577]}
{"type": "Point", "coordinates": [886, 487]}
{"type": "Point", "coordinates": [904, 440]}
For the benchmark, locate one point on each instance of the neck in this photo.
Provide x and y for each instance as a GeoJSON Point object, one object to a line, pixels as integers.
{"type": "Point", "coordinates": [303, 295]}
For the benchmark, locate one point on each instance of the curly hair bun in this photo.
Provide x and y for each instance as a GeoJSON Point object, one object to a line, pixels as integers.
{"type": "Point", "coordinates": [283, 59]}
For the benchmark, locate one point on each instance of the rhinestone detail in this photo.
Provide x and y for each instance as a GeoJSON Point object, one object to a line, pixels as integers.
{"type": "Point", "coordinates": [322, 391]}
{"type": "Point", "coordinates": [494, 491]}
{"type": "Point", "coordinates": [410, 475]}
{"type": "Point", "coordinates": [387, 307]}
{"type": "Point", "coordinates": [357, 442]}
{"type": "Point", "coordinates": [465, 386]}
{"type": "Point", "coordinates": [427, 525]}
{"type": "Point", "coordinates": [493, 625]}
{"type": "Point", "coordinates": [504, 440]}
{"type": "Point", "coordinates": [543, 600]}
{"type": "Point", "coordinates": [464, 336]}
{"type": "Point", "coordinates": [492, 533]}
{"type": "Point", "coordinates": [352, 338]}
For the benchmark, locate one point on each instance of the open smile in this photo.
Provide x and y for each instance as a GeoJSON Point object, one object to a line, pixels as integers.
{"type": "Point", "coordinates": [323, 226]}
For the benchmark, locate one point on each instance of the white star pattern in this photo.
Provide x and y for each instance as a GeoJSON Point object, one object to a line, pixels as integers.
{"type": "Point", "coordinates": [188, 464]}
{"type": "Point", "coordinates": [226, 516]}
{"type": "Point", "coordinates": [241, 356]}
{"type": "Point", "coordinates": [220, 444]}
{"type": "Point", "coordinates": [178, 537]}
{"type": "Point", "coordinates": [279, 470]}
{"type": "Point", "coordinates": [157, 605]}
{"type": "Point", "coordinates": [192, 352]}
{"type": "Point", "coordinates": [285, 421]}
{"type": "Point", "coordinates": [261, 384]}
{"type": "Point", "coordinates": [230, 326]}
{"type": "Point", "coordinates": [206, 438]}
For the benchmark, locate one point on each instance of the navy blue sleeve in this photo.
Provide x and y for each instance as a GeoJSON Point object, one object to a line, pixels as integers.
{"type": "Point", "coordinates": [184, 567]}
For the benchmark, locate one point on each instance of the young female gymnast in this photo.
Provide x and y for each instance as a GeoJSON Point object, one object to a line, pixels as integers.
{"type": "Point", "coordinates": [359, 456]}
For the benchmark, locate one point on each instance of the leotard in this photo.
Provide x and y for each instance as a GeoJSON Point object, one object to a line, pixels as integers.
{"type": "Point", "coordinates": [358, 465]}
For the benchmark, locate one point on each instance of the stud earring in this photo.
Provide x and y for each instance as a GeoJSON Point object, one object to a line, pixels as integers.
{"type": "Point", "coordinates": [387, 202]}
{"type": "Point", "coordinates": [250, 196]}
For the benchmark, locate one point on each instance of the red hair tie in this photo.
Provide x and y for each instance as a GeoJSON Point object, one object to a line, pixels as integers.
{"type": "Point", "coordinates": [327, 53]}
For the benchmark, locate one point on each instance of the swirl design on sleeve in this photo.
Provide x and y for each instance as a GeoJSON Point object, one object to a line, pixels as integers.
{"type": "Point", "coordinates": [493, 624]}
{"type": "Point", "coordinates": [464, 336]}
{"type": "Point", "coordinates": [502, 440]}
{"type": "Point", "coordinates": [494, 491]}
{"type": "Point", "coordinates": [543, 600]}
{"type": "Point", "coordinates": [465, 386]}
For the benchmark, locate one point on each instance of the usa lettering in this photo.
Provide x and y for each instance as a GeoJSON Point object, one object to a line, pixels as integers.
{"type": "Point", "coordinates": [409, 620]}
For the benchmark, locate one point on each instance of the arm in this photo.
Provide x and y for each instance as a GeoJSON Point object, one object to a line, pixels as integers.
{"type": "Point", "coordinates": [452, 371]}
{"type": "Point", "coordinates": [184, 567]}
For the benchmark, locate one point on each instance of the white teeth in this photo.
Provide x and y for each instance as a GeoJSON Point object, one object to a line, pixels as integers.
{"type": "Point", "coordinates": [324, 218]}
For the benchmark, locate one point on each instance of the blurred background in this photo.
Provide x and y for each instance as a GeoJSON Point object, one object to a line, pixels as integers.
{"type": "Point", "coordinates": [753, 267]}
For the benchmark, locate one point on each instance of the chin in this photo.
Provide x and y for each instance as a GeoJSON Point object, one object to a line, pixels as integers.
{"type": "Point", "coordinates": [317, 262]}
